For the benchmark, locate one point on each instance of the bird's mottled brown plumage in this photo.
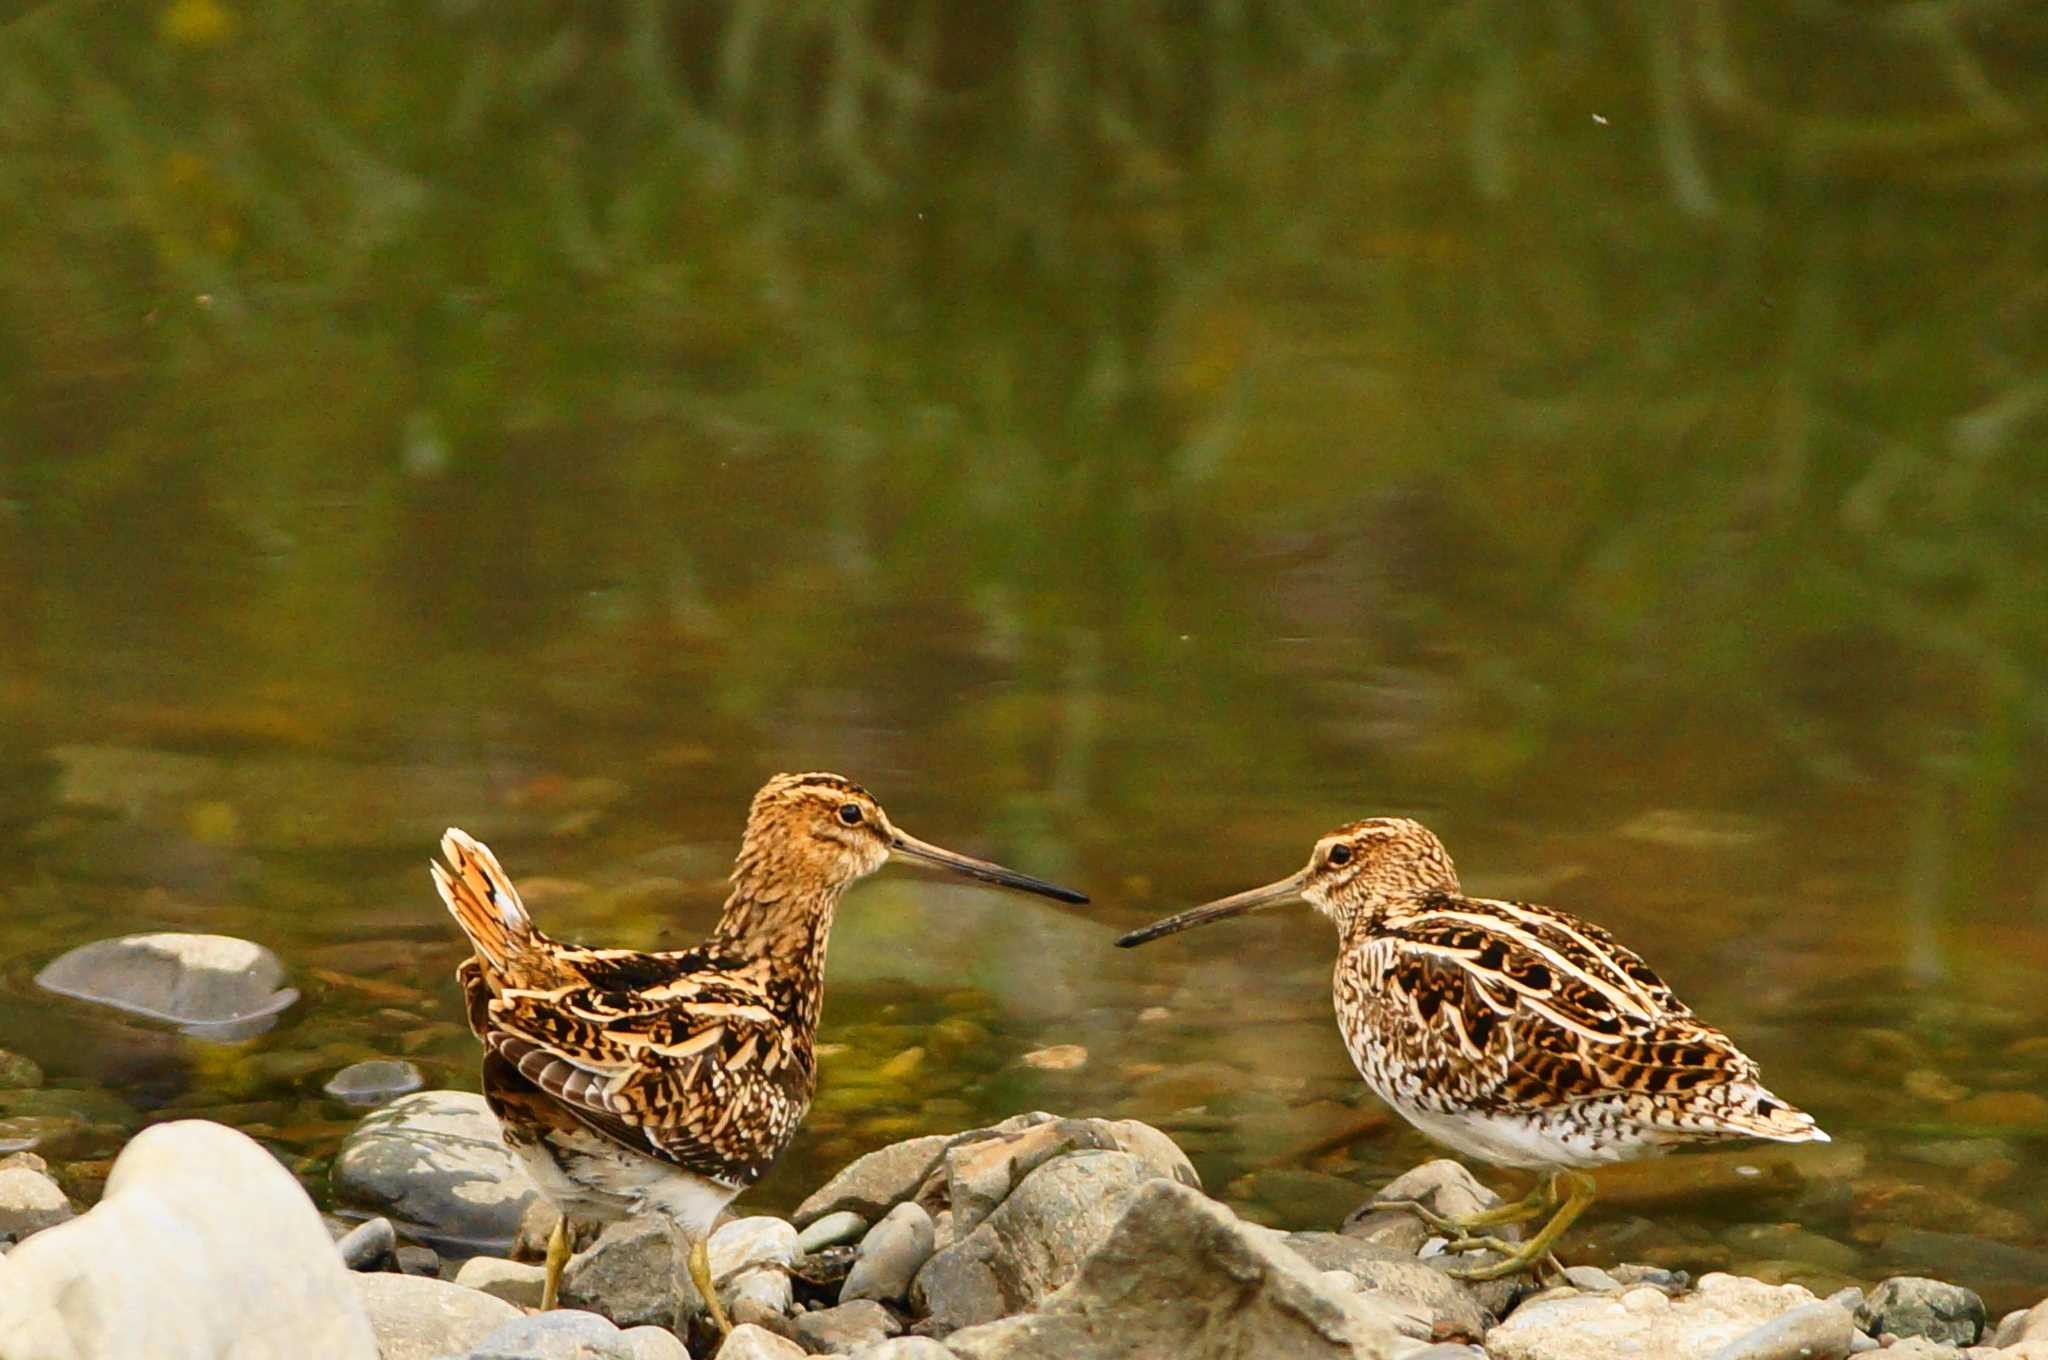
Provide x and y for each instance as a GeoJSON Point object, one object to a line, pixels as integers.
{"type": "Point", "coordinates": [1516, 1033]}
{"type": "Point", "coordinates": [670, 1081]}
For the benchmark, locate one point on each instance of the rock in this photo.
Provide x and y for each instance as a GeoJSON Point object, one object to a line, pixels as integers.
{"type": "Point", "coordinates": [871, 1185]}
{"type": "Point", "coordinates": [18, 1073]}
{"type": "Point", "coordinates": [1591, 1280]}
{"type": "Point", "coordinates": [2023, 1325]}
{"type": "Point", "coordinates": [979, 1175]}
{"type": "Point", "coordinates": [1908, 1305]}
{"type": "Point", "coordinates": [374, 1082]}
{"type": "Point", "coordinates": [1790, 1242]}
{"type": "Point", "coordinates": [515, 1282]}
{"type": "Point", "coordinates": [1443, 1186]}
{"type": "Point", "coordinates": [1179, 1275]}
{"type": "Point", "coordinates": [749, 1342]}
{"type": "Point", "coordinates": [434, 1163]}
{"type": "Point", "coordinates": [416, 1318]}
{"type": "Point", "coordinates": [1812, 1331]}
{"type": "Point", "coordinates": [1645, 1322]}
{"type": "Point", "coordinates": [253, 1274]}
{"type": "Point", "coordinates": [847, 1328]}
{"type": "Point", "coordinates": [627, 1275]}
{"type": "Point", "coordinates": [751, 1261]}
{"type": "Point", "coordinates": [216, 986]}
{"type": "Point", "coordinates": [1058, 1058]}
{"type": "Point", "coordinates": [1920, 1348]}
{"type": "Point", "coordinates": [368, 1245]}
{"type": "Point", "coordinates": [1430, 1294]}
{"type": "Point", "coordinates": [568, 1334]}
{"type": "Point", "coordinates": [2027, 1110]}
{"type": "Point", "coordinates": [832, 1230]}
{"type": "Point", "coordinates": [907, 1348]}
{"type": "Point", "coordinates": [414, 1259]}
{"type": "Point", "coordinates": [1032, 1244]}
{"type": "Point", "coordinates": [891, 1254]}
{"type": "Point", "coordinates": [29, 1202]}
{"type": "Point", "coordinates": [1963, 1254]}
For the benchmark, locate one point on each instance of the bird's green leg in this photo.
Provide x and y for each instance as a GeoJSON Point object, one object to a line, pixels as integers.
{"type": "Point", "coordinates": [700, 1275]}
{"type": "Point", "coordinates": [1531, 1205]}
{"type": "Point", "coordinates": [1578, 1194]}
{"type": "Point", "coordinates": [558, 1256]}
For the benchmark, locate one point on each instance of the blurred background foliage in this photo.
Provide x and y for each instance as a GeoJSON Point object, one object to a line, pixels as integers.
{"type": "Point", "coordinates": [1164, 412]}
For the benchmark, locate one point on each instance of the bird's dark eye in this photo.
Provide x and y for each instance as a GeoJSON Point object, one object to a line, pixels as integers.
{"type": "Point", "coordinates": [1340, 854]}
{"type": "Point", "coordinates": [850, 813]}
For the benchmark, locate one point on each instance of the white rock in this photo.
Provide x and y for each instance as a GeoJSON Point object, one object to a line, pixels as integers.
{"type": "Point", "coordinates": [516, 1282]}
{"type": "Point", "coordinates": [908, 1348]}
{"type": "Point", "coordinates": [419, 1318]}
{"type": "Point", "coordinates": [749, 1342]}
{"type": "Point", "coordinates": [750, 1263]}
{"type": "Point", "coordinates": [29, 1203]}
{"type": "Point", "coordinates": [201, 1246]}
{"type": "Point", "coordinates": [1643, 1322]}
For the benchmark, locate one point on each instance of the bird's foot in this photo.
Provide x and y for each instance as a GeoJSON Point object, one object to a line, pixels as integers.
{"type": "Point", "coordinates": [558, 1257]}
{"type": "Point", "coordinates": [1574, 1189]}
{"type": "Point", "coordinates": [700, 1275]}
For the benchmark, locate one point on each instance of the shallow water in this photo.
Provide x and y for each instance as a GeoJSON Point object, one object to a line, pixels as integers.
{"type": "Point", "coordinates": [1610, 438]}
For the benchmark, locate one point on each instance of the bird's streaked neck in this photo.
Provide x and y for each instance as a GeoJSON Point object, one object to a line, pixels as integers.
{"type": "Point", "coordinates": [781, 927]}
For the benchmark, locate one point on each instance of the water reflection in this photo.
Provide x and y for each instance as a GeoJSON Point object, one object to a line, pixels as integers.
{"type": "Point", "coordinates": [1130, 443]}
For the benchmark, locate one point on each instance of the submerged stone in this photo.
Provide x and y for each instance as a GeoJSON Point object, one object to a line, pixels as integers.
{"type": "Point", "coordinates": [216, 986]}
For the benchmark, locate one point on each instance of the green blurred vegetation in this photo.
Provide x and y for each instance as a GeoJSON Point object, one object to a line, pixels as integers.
{"type": "Point", "coordinates": [1292, 405]}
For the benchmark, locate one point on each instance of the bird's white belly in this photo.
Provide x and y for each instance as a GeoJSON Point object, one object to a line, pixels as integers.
{"type": "Point", "coordinates": [586, 1178]}
{"type": "Point", "coordinates": [1531, 1143]}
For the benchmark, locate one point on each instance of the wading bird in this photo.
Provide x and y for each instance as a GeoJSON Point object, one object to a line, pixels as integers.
{"type": "Point", "coordinates": [1513, 1033]}
{"type": "Point", "coordinates": [668, 1082]}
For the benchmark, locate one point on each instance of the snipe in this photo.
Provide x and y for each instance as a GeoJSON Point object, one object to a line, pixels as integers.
{"type": "Point", "coordinates": [668, 1082]}
{"type": "Point", "coordinates": [1513, 1033]}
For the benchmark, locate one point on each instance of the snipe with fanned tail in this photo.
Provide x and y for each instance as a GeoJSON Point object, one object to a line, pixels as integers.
{"type": "Point", "coordinates": [1516, 1034]}
{"type": "Point", "coordinates": [668, 1082]}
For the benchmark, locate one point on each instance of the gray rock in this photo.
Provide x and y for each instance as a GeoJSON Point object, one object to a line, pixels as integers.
{"type": "Point", "coordinates": [1030, 1245]}
{"type": "Point", "coordinates": [216, 986]}
{"type": "Point", "coordinates": [374, 1081]}
{"type": "Point", "coordinates": [435, 1164]}
{"type": "Point", "coordinates": [1920, 1348]}
{"type": "Point", "coordinates": [1180, 1276]}
{"type": "Point", "coordinates": [627, 1275]}
{"type": "Point", "coordinates": [515, 1282]}
{"type": "Point", "coordinates": [414, 1259]}
{"type": "Point", "coordinates": [1442, 1186]}
{"type": "Point", "coordinates": [1908, 1305]}
{"type": "Point", "coordinates": [567, 1334]}
{"type": "Point", "coordinates": [1434, 1296]}
{"type": "Point", "coordinates": [907, 1348]}
{"type": "Point", "coordinates": [416, 1318]}
{"type": "Point", "coordinates": [1445, 1351]}
{"type": "Point", "coordinates": [749, 1342]}
{"type": "Point", "coordinates": [847, 1328]}
{"type": "Point", "coordinates": [871, 1185]}
{"type": "Point", "coordinates": [891, 1254]}
{"type": "Point", "coordinates": [1591, 1280]}
{"type": "Point", "coordinates": [1812, 1331]}
{"type": "Point", "coordinates": [981, 1173]}
{"type": "Point", "coordinates": [832, 1230]}
{"type": "Point", "coordinates": [368, 1245]}
{"type": "Point", "coordinates": [1644, 1321]}
{"type": "Point", "coordinates": [254, 1274]}
{"type": "Point", "coordinates": [1849, 1297]}
{"type": "Point", "coordinates": [29, 1202]}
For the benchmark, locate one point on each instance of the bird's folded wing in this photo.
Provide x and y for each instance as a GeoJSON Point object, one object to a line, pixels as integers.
{"type": "Point", "coordinates": [702, 1072]}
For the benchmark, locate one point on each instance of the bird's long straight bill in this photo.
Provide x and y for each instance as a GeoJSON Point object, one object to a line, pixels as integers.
{"type": "Point", "coordinates": [1286, 890]}
{"type": "Point", "coordinates": [923, 852]}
